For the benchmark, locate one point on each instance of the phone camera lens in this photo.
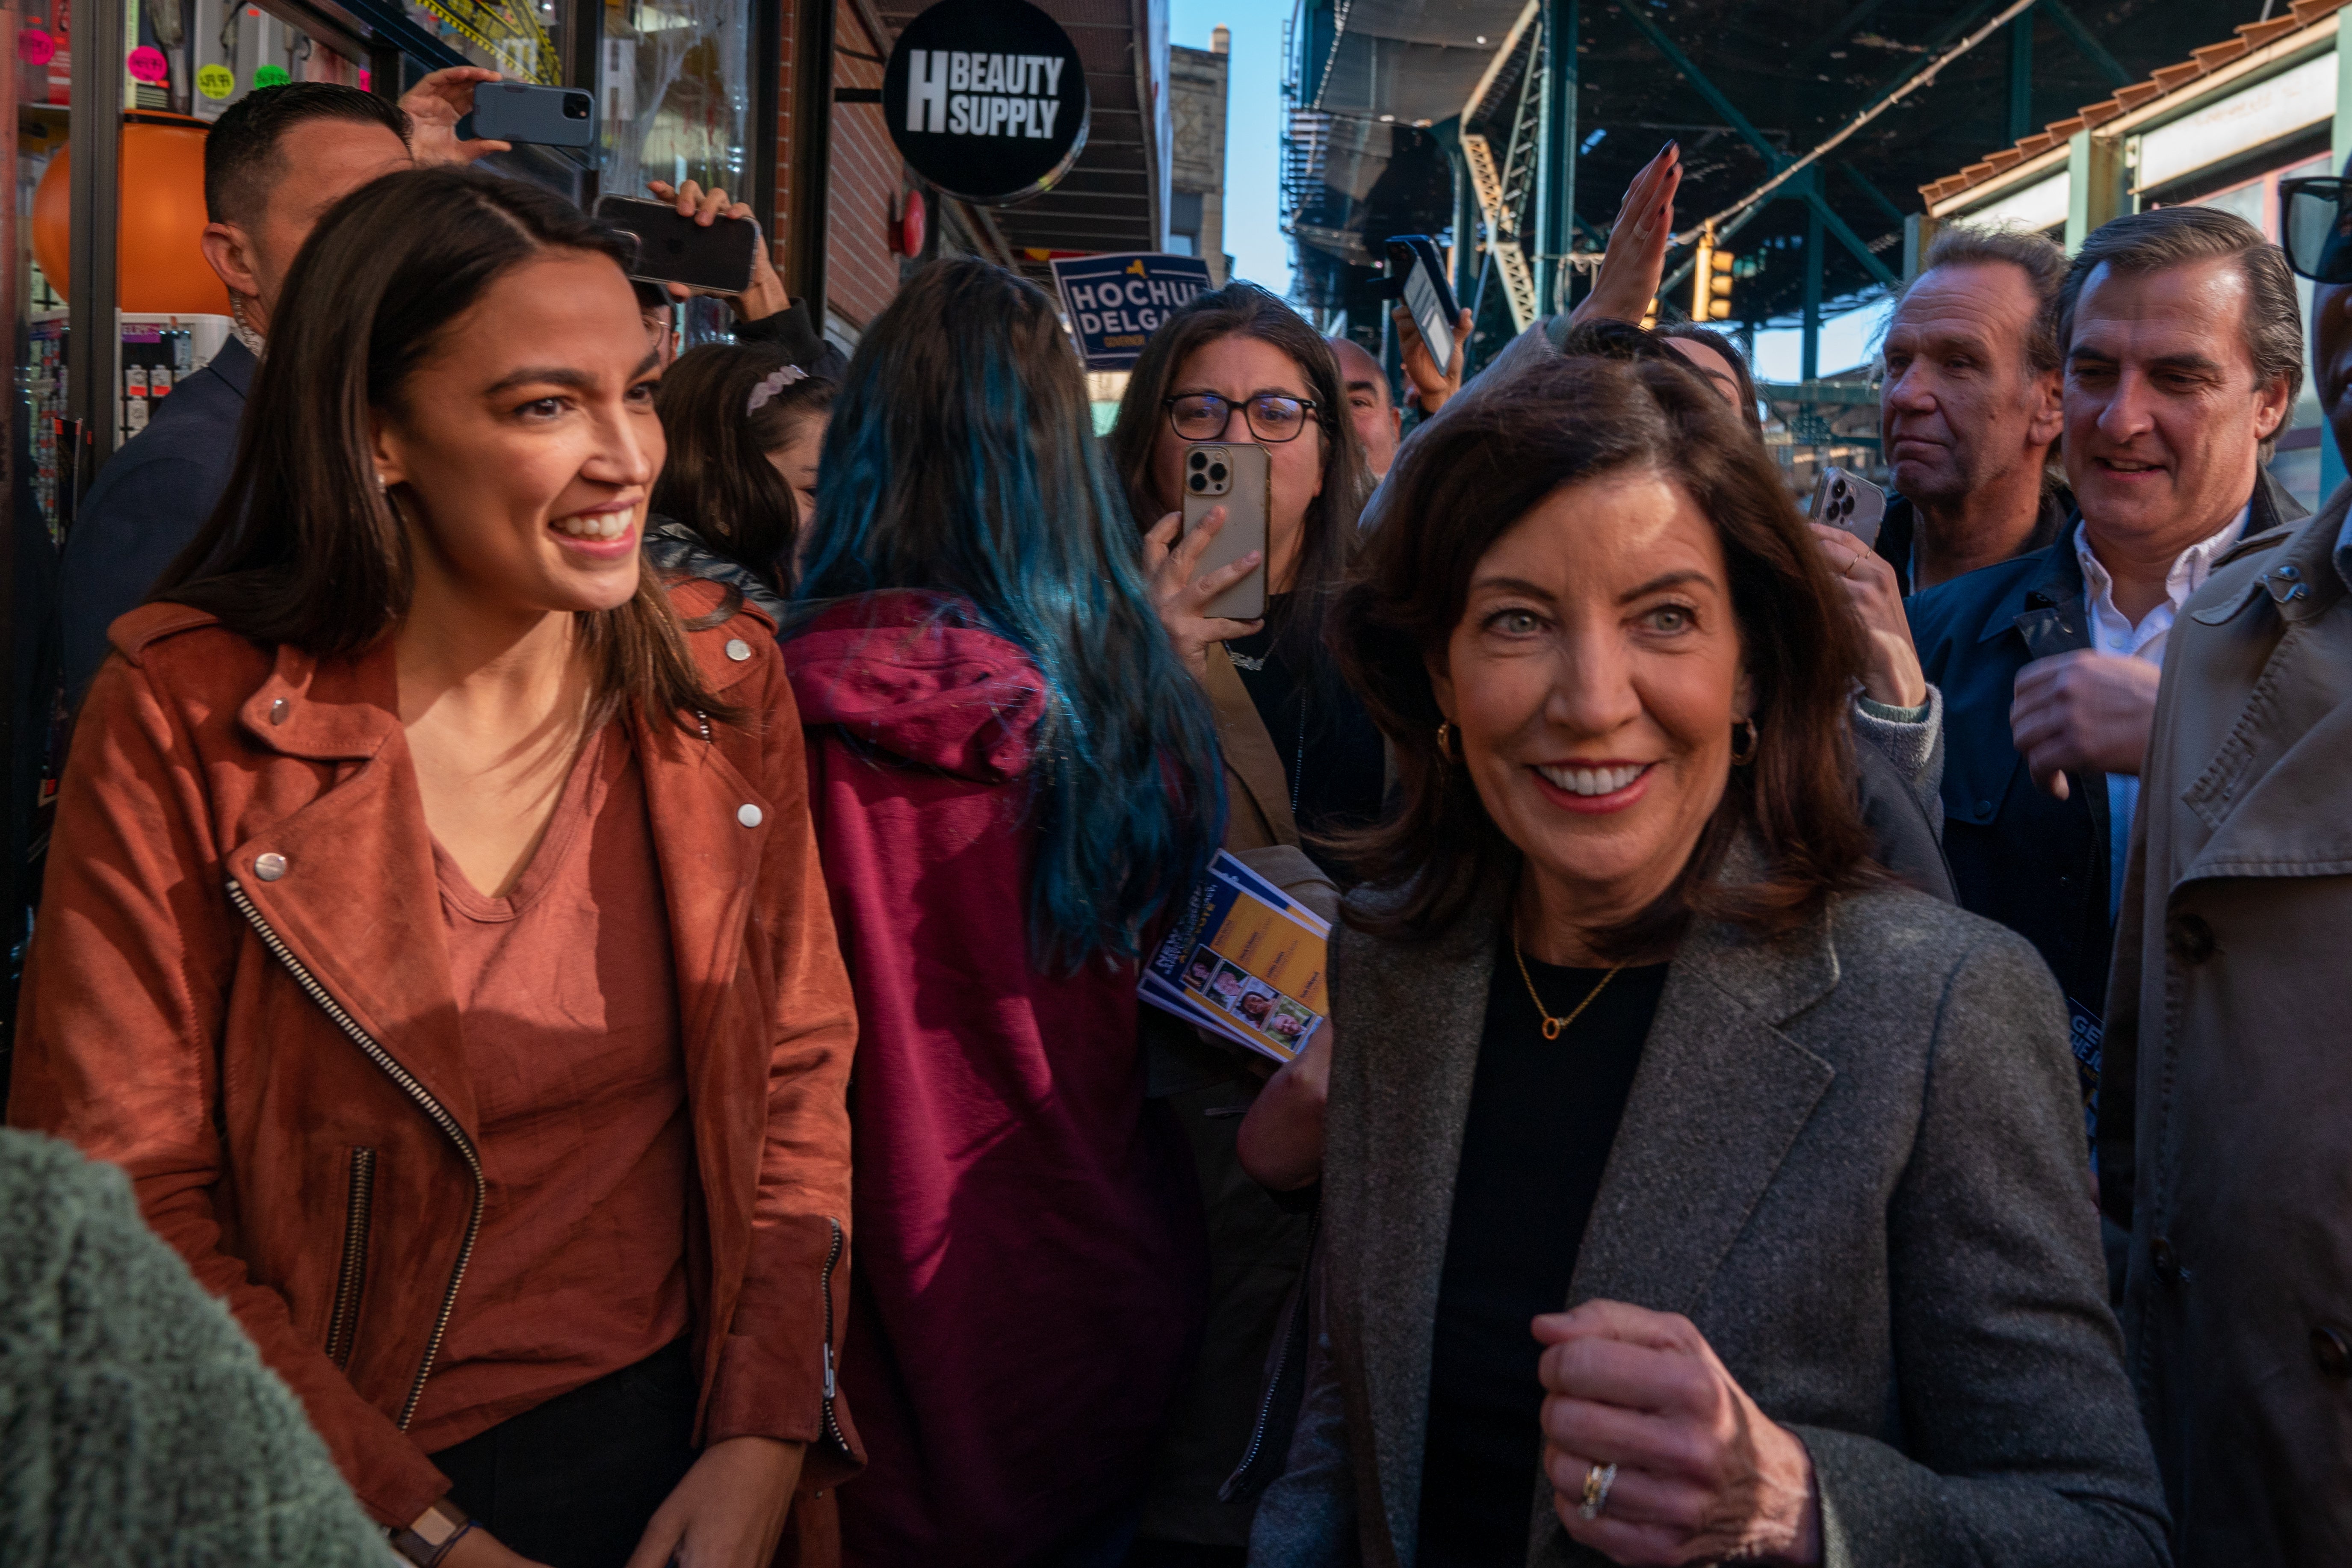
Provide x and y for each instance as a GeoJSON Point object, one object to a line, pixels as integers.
{"type": "Point", "coordinates": [1199, 459]}
{"type": "Point", "coordinates": [1197, 482]}
{"type": "Point", "coordinates": [576, 105]}
{"type": "Point", "coordinates": [1217, 472]}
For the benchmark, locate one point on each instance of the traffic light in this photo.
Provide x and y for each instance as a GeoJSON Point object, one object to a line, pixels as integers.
{"type": "Point", "coordinates": [1718, 305]}
{"type": "Point", "coordinates": [1710, 281]}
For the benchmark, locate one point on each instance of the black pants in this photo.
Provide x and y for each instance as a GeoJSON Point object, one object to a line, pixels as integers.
{"type": "Point", "coordinates": [573, 1482]}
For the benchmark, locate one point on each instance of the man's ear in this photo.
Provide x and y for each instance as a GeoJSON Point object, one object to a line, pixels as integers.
{"type": "Point", "coordinates": [2271, 408]}
{"type": "Point", "coordinates": [230, 254]}
{"type": "Point", "coordinates": [2048, 420]}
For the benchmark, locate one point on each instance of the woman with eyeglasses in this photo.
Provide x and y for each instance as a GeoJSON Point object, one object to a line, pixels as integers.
{"type": "Point", "coordinates": [1302, 760]}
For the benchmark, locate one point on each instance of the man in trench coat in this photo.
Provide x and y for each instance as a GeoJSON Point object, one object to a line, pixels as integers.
{"type": "Point", "coordinates": [2225, 1139]}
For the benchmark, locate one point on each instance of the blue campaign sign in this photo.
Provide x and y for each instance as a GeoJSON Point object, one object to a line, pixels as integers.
{"type": "Point", "coordinates": [1115, 301]}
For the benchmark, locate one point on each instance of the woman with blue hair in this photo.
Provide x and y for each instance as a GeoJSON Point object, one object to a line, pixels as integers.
{"type": "Point", "coordinates": [1012, 778]}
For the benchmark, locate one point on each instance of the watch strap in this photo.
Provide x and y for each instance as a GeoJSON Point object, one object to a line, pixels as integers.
{"type": "Point", "coordinates": [428, 1540]}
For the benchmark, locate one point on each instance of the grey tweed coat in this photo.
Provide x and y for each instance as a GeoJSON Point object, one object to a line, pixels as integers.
{"type": "Point", "coordinates": [1853, 1157]}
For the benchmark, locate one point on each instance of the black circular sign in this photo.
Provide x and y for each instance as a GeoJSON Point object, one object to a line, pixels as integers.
{"type": "Point", "coordinates": [986, 98]}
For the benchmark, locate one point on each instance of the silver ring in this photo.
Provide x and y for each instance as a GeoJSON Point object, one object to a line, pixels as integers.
{"type": "Point", "coordinates": [1597, 1482]}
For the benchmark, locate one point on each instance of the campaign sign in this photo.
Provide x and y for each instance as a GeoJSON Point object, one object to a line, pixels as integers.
{"type": "Point", "coordinates": [986, 98]}
{"type": "Point", "coordinates": [1116, 302]}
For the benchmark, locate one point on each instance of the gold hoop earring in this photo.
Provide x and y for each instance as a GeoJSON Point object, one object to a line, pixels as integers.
{"type": "Point", "coordinates": [1445, 742]}
{"type": "Point", "coordinates": [1743, 750]}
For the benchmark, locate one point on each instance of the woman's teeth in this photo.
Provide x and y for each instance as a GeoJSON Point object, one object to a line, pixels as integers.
{"type": "Point", "coordinates": [600, 525]}
{"type": "Point", "coordinates": [1592, 781]}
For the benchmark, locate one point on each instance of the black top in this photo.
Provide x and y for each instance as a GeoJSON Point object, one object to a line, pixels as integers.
{"type": "Point", "coordinates": [1543, 1116]}
{"type": "Point", "coordinates": [1330, 749]}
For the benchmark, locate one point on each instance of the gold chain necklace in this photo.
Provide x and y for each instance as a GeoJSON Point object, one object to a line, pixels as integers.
{"type": "Point", "coordinates": [1554, 1028]}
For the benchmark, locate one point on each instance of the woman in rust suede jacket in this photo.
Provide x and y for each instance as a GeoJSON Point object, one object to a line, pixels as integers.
{"type": "Point", "coordinates": [440, 947]}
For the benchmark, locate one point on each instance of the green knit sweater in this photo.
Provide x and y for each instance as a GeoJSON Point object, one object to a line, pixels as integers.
{"type": "Point", "coordinates": [138, 1425]}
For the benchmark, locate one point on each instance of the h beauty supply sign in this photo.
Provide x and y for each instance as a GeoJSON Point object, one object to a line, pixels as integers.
{"type": "Point", "coordinates": [1114, 302]}
{"type": "Point", "coordinates": [986, 98]}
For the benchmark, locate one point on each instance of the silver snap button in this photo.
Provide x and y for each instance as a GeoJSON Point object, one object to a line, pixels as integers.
{"type": "Point", "coordinates": [748, 814]}
{"type": "Point", "coordinates": [269, 867]}
{"type": "Point", "coordinates": [738, 650]}
{"type": "Point", "coordinates": [277, 712]}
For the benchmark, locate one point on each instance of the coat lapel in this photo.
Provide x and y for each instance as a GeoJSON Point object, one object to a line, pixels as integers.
{"type": "Point", "coordinates": [1413, 1017]}
{"type": "Point", "coordinates": [2271, 790]}
{"type": "Point", "coordinates": [1719, 1099]}
{"type": "Point", "coordinates": [386, 960]}
{"type": "Point", "coordinates": [1250, 757]}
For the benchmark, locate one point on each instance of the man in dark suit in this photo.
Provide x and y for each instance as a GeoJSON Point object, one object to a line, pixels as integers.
{"type": "Point", "coordinates": [274, 163]}
{"type": "Point", "coordinates": [1970, 408]}
{"type": "Point", "coordinates": [2183, 350]}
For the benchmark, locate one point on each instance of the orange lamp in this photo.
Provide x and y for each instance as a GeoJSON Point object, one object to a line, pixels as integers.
{"type": "Point", "coordinates": [161, 265]}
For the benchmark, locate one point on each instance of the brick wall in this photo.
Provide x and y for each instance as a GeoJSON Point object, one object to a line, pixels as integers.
{"type": "Point", "coordinates": [867, 179]}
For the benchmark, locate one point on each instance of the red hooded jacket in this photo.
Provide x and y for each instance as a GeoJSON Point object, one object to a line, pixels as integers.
{"type": "Point", "coordinates": [1029, 1263]}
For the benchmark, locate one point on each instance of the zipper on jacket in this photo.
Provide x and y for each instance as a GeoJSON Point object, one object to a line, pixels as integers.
{"type": "Point", "coordinates": [824, 1283]}
{"type": "Point", "coordinates": [407, 1084]}
{"type": "Point", "coordinates": [1281, 1361]}
{"type": "Point", "coordinates": [353, 1274]}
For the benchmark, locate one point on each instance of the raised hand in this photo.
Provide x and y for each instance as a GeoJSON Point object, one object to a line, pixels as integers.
{"type": "Point", "coordinates": [1636, 257]}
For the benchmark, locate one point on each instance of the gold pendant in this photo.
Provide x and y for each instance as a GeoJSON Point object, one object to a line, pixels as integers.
{"type": "Point", "coordinates": [1552, 1026]}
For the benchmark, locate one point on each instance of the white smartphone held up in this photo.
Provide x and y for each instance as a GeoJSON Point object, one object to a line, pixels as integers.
{"type": "Point", "coordinates": [1848, 501]}
{"type": "Point", "coordinates": [1237, 476]}
{"type": "Point", "coordinates": [1417, 268]}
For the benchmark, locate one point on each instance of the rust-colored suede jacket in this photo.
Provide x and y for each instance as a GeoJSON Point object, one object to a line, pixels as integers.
{"type": "Point", "coordinates": [241, 979]}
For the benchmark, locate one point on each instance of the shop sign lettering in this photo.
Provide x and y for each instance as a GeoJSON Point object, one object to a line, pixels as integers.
{"type": "Point", "coordinates": [986, 98]}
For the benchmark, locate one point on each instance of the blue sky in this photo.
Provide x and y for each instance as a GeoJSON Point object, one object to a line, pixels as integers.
{"type": "Point", "coordinates": [1254, 236]}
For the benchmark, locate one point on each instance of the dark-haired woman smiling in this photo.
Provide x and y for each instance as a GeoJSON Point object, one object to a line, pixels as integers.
{"type": "Point", "coordinates": [436, 947]}
{"type": "Point", "coordinates": [1677, 1162]}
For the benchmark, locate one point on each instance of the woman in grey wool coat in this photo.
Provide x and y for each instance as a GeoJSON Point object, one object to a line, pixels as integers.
{"type": "Point", "coordinates": [1694, 1191]}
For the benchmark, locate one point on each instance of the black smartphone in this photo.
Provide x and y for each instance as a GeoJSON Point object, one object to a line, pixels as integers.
{"type": "Point", "coordinates": [674, 249]}
{"type": "Point", "coordinates": [525, 112]}
{"type": "Point", "coordinates": [1418, 266]}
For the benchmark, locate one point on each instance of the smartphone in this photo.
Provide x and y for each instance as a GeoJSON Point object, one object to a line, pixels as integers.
{"type": "Point", "coordinates": [525, 112]}
{"type": "Point", "coordinates": [1418, 267]}
{"type": "Point", "coordinates": [1849, 501]}
{"type": "Point", "coordinates": [674, 250]}
{"type": "Point", "coordinates": [1238, 477]}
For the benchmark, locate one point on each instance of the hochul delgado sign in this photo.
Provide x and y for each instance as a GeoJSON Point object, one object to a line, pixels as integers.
{"type": "Point", "coordinates": [1114, 302]}
{"type": "Point", "coordinates": [986, 98]}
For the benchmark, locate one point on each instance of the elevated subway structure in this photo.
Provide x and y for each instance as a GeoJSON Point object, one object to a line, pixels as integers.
{"type": "Point", "coordinates": [1510, 130]}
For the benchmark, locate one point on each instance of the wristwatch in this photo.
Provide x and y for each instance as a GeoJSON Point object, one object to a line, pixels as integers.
{"type": "Point", "coordinates": [427, 1540]}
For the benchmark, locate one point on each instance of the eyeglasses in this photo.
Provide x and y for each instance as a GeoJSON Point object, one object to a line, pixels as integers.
{"type": "Point", "coordinates": [1273, 417]}
{"type": "Point", "coordinates": [2316, 226]}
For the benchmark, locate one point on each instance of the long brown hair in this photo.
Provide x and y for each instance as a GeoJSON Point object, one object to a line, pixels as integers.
{"type": "Point", "coordinates": [303, 548]}
{"type": "Point", "coordinates": [1329, 529]}
{"type": "Point", "coordinates": [1466, 480]}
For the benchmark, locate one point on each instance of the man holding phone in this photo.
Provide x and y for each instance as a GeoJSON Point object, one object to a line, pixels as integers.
{"type": "Point", "coordinates": [275, 162]}
{"type": "Point", "coordinates": [763, 313]}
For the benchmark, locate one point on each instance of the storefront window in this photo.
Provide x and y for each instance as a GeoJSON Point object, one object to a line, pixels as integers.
{"type": "Point", "coordinates": [678, 93]}
{"type": "Point", "coordinates": [519, 38]}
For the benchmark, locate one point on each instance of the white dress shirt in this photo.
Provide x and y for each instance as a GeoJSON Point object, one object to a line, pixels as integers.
{"type": "Point", "coordinates": [2111, 633]}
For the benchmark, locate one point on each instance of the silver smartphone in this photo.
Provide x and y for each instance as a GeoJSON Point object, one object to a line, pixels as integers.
{"type": "Point", "coordinates": [1848, 501]}
{"type": "Point", "coordinates": [1237, 476]}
